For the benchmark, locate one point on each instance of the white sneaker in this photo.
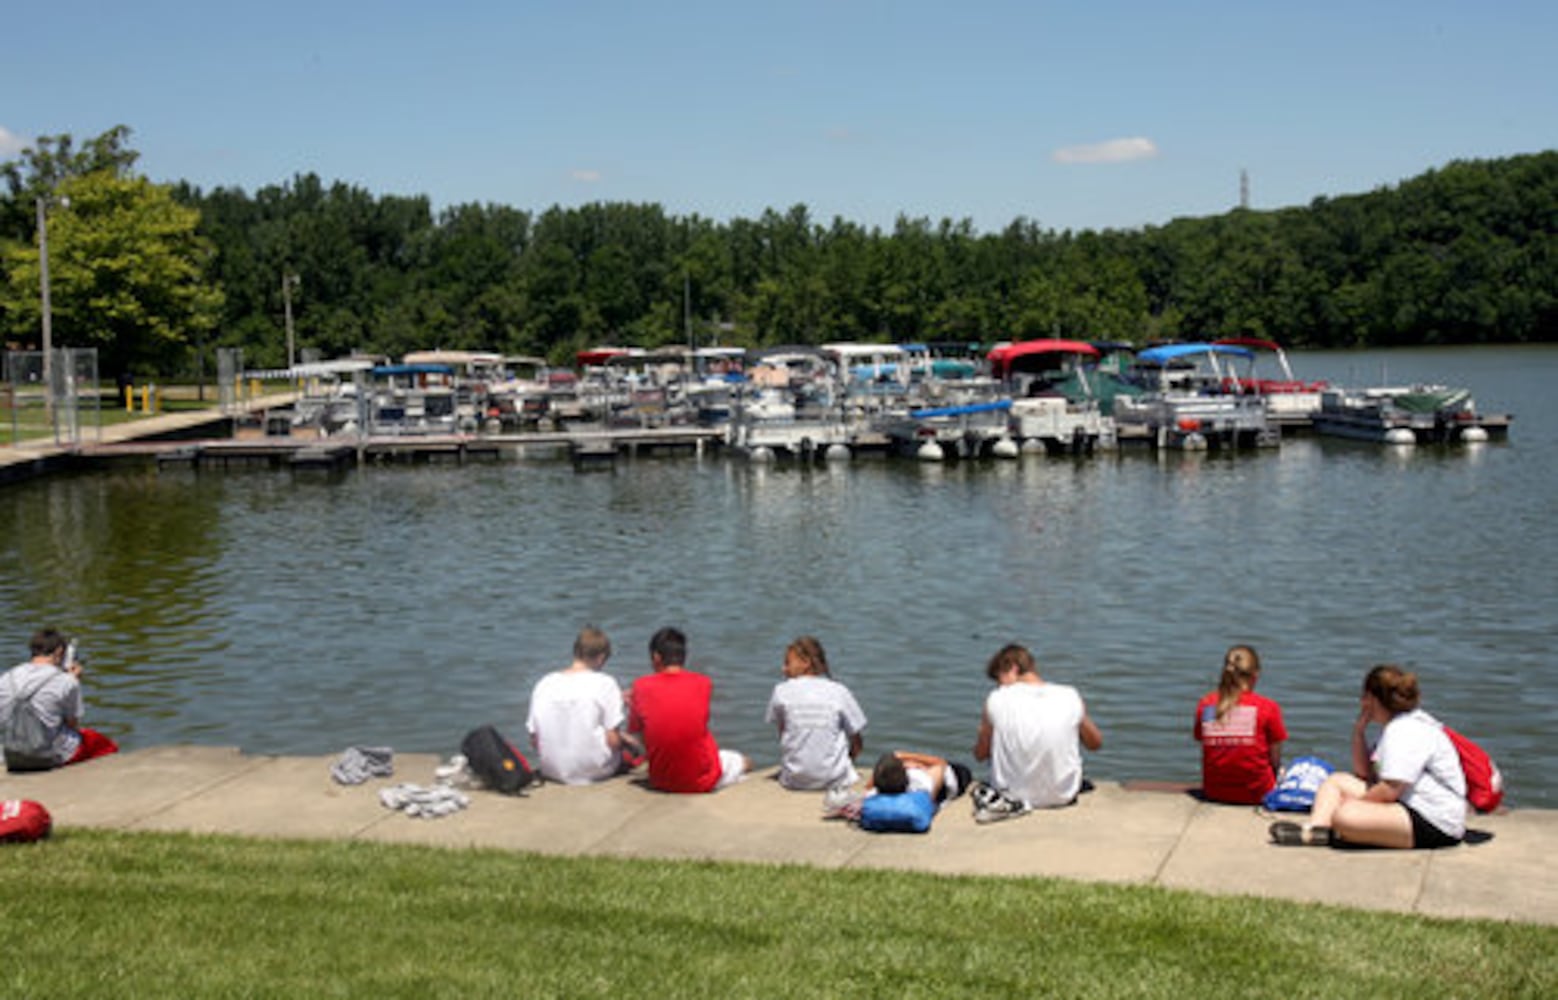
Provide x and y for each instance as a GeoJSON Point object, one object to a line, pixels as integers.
{"type": "Point", "coordinates": [838, 797]}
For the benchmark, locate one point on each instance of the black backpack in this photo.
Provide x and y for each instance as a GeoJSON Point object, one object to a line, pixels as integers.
{"type": "Point", "coordinates": [496, 763]}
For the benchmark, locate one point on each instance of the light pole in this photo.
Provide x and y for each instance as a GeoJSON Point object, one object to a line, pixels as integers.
{"type": "Point", "coordinates": [48, 319]}
{"type": "Point", "coordinates": [288, 283]}
{"type": "Point", "coordinates": [42, 203]}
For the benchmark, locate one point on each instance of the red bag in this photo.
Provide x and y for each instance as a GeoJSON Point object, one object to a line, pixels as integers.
{"type": "Point", "coordinates": [1484, 783]}
{"type": "Point", "coordinates": [23, 821]}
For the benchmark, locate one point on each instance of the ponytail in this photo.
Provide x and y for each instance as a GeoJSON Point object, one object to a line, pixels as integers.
{"type": "Point", "coordinates": [1240, 668]}
{"type": "Point", "coordinates": [810, 650]}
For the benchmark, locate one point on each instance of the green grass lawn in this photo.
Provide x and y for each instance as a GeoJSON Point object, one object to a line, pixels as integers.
{"type": "Point", "coordinates": [126, 915]}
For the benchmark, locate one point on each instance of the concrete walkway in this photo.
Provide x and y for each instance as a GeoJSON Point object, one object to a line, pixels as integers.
{"type": "Point", "coordinates": [1115, 834]}
{"type": "Point", "coordinates": [31, 458]}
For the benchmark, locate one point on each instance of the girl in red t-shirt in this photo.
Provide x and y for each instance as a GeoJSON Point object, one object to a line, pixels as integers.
{"type": "Point", "coordinates": [1241, 734]}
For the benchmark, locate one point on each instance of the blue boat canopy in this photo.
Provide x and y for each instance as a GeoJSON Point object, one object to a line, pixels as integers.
{"type": "Point", "coordinates": [1173, 352]}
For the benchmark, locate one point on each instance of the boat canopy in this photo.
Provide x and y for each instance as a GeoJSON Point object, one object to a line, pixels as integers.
{"type": "Point", "coordinates": [1169, 353]}
{"type": "Point", "coordinates": [468, 359]}
{"type": "Point", "coordinates": [1288, 383]}
{"type": "Point", "coordinates": [390, 371]}
{"type": "Point", "coordinates": [314, 369]}
{"type": "Point", "coordinates": [964, 410]}
{"type": "Point", "coordinates": [1433, 399]}
{"type": "Point", "coordinates": [1004, 357]}
{"type": "Point", "coordinates": [852, 350]}
{"type": "Point", "coordinates": [786, 353]}
{"type": "Point", "coordinates": [1253, 343]}
{"type": "Point", "coordinates": [953, 368]}
{"type": "Point", "coordinates": [600, 355]}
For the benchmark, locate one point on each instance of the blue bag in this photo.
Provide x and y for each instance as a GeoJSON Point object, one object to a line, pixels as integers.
{"type": "Point", "coordinates": [908, 812]}
{"type": "Point", "coordinates": [1296, 786]}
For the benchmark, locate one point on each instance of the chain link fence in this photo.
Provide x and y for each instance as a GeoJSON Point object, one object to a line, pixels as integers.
{"type": "Point", "coordinates": [55, 400]}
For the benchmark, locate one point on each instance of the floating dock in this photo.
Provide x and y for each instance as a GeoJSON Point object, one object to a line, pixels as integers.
{"type": "Point", "coordinates": [592, 448]}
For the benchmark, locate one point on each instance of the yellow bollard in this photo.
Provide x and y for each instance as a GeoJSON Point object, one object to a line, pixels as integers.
{"type": "Point", "coordinates": [145, 399]}
{"type": "Point", "coordinates": [254, 388]}
{"type": "Point", "coordinates": [129, 399]}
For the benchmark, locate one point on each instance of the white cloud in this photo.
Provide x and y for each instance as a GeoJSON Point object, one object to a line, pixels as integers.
{"type": "Point", "coordinates": [11, 143]}
{"type": "Point", "coordinates": [1113, 151]}
{"type": "Point", "coordinates": [585, 176]}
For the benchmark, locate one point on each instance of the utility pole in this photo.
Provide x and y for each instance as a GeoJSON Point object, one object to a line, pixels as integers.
{"type": "Point", "coordinates": [288, 283]}
{"type": "Point", "coordinates": [48, 318]}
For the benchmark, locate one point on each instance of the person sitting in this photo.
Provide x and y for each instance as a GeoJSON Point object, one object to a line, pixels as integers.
{"type": "Point", "coordinates": [820, 722]}
{"type": "Point", "coordinates": [576, 717]}
{"type": "Point", "coordinates": [670, 707]}
{"type": "Point", "coordinates": [41, 709]}
{"type": "Point", "coordinates": [1031, 732]}
{"type": "Point", "coordinates": [1241, 734]}
{"type": "Point", "coordinates": [1409, 791]}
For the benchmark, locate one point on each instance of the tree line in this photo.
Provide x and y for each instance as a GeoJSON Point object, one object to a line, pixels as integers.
{"type": "Point", "coordinates": [151, 274]}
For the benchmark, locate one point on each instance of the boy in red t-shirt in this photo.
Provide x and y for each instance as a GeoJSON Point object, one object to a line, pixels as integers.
{"type": "Point", "coordinates": [670, 707]}
{"type": "Point", "coordinates": [1241, 734]}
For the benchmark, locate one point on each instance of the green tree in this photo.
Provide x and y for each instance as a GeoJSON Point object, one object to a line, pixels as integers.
{"type": "Point", "coordinates": [127, 274]}
{"type": "Point", "coordinates": [51, 160]}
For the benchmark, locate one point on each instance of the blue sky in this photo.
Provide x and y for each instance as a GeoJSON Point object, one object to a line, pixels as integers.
{"type": "Point", "coordinates": [1081, 115]}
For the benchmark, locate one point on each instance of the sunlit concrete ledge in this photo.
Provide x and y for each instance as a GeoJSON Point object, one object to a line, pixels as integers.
{"type": "Point", "coordinates": [1115, 834]}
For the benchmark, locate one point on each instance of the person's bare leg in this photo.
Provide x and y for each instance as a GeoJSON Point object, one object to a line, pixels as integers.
{"type": "Point", "coordinates": [1380, 824]}
{"type": "Point", "coordinates": [1332, 793]}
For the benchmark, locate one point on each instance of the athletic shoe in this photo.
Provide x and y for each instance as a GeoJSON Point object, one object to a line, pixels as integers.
{"type": "Point", "coordinates": [1287, 833]}
{"type": "Point", "coordinates": [841, 802]}
{"type": "Point", "coordinates": [993, 806]}
{"type": "Point", "coordinates": [984, 795]}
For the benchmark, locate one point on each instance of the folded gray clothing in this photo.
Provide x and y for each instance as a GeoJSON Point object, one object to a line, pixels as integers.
{"type": "Point", "coordinates": [426, 802]}
{"type": "Point", "coordinates": [358, 764]}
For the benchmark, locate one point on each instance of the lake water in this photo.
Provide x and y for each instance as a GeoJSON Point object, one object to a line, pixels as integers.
{"type": "Point", "coordinates": [305, 612]}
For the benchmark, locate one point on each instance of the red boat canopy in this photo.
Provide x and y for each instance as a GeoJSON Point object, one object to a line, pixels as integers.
{"type": "Point", "coordinates": [1003, 357]}
{"type": "Point", "coordinates": [1253, 343]}
{"type": "Point", "coordinates": [600, 355]}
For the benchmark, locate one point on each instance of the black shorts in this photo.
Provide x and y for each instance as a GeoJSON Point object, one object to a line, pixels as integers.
{"type": "Point", "coordinates": [1426, 835]}
{"type": "Point", "coordinates": [961, 777]}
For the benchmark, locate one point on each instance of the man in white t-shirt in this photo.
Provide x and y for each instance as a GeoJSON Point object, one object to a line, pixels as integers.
{"type": "Point", "coordinates": [1032, 733]}
{"type": "Point", "coordinates": [576, 717]}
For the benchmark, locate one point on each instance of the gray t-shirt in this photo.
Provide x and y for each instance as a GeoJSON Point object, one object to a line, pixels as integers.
{"type": "Point", "coordinates": [816, 717]}
{"type": "Point", "coordinates": [57, 699]}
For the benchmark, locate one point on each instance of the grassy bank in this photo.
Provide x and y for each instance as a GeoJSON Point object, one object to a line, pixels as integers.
{"type": "Point", "coordinates": [124, 915]}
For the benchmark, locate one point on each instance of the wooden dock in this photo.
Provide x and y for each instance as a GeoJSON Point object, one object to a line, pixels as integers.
{"type": "Point", "coordinates": [592, 448]}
